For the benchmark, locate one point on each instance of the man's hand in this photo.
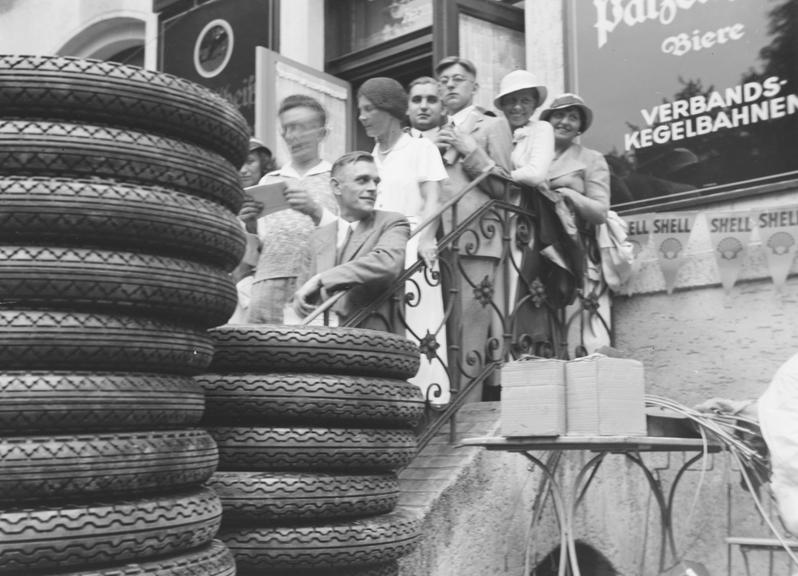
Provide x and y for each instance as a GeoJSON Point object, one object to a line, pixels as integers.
{"type": "Point", "coordinates": [726, 406]}
{"type": "Point", "coordinates": [308, 293]}
{"type": "Point", "coordinates": [428, 250]}
{"type": "Point", "coordinates": [300, 200]}
{"type": "Point", "coordinates": [460, 141]}
{"type": "Point", "coordinates": [249, 212]}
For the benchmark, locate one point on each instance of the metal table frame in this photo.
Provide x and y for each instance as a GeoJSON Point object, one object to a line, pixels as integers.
{"type": "Point", "coordinates": [566, 501]}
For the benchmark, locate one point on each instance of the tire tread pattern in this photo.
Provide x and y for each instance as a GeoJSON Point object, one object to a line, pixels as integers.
{"type": "Point", "coordinates": [74, 212]}
{"type": "Point", "coordinates": [57, 340]}
{"type": "Point", "coordinates": [42, 148]}
{"type": "Point", "coordinates": [316, 399]}
{"type": "Point", "coordinates": [267, 348]}
{"type": "Point", "coordinates": [351, 543]}
{"type": "Point", "coordinates": [275, 497]}
{"type": "Point", "coordinates": [43, 402]}
{"type": "Point", "coordinates": [45, 538]}
{"type": "Point", "coordinates": [36, 468]}
{"type": "Point", "coordinates": [313, 449]}
{"type": "Point", "coordinates": [111, 93]}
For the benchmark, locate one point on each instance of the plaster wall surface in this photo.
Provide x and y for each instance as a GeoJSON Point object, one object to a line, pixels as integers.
{"type": "Point", "coordinates": [301, 20]}
{"type": "Point", "coordinates": [44, 26]}
{"type": "Point", "coordinates": [545, 54]}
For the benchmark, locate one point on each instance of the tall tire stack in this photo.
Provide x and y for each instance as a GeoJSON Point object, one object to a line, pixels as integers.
{"type": "Point", "coordinates": [118, 192]}
{"type": "Point", "coordinates": [312, 424]}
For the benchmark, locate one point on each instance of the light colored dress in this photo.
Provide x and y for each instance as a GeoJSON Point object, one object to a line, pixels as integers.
{"type": "Point", "coordinates": [410, 162]}
{"type": "Point", "coordinates": [778, 418]}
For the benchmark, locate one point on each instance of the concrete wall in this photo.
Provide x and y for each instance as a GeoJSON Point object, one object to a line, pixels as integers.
{"type": "Point", "coordinates": [46, 27]}
{"type": "Point", "coordinates": [300, 21]}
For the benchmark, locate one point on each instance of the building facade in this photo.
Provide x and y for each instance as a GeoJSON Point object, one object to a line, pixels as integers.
{"type": "Point", "coordinates": [696, 110]}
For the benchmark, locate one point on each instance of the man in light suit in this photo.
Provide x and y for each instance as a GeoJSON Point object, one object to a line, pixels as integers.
{"type": "Point", "coordinates": [362, 252]}
{"type": "Point", "coordinates": [473, 142]}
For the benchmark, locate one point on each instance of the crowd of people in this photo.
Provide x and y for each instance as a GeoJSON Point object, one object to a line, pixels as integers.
{"type": "Point", "coordinates": [356, 223]}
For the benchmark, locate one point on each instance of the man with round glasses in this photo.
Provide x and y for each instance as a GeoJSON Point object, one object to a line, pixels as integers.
{"type": "Point", "coordinates": [472, 142]}
{"type": "Point", "coordinates": [283, 235]}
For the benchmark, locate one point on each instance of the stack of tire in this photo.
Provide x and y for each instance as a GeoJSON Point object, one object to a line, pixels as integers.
{"type": "Point", "coordinates": [312, 424]}
{"type": "Point", "coordinates": [118, 189]}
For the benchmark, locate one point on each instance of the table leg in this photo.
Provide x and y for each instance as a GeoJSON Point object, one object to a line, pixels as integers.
{"type": "Point", "coordinates": [565, 506]}
{"type": "Point", "coordinates": [665, 506]}
{"type": "Point", "coordinates": [561, 511]}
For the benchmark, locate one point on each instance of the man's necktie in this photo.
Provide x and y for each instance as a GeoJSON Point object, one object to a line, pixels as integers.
{"type": "Point", "coordinates": [340, 253]}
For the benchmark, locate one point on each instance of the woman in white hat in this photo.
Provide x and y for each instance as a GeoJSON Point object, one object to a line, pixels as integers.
{"type": "Point", "coordinates": [520, 94]}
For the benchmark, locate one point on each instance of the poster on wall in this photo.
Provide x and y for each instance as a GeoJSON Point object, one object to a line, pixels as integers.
{"type": "Point", "coordinates": [277, 77]}
{"type": "Point", "coordinates": [690, 97]}
{"type": "Point", "coordinates": [214, 45]}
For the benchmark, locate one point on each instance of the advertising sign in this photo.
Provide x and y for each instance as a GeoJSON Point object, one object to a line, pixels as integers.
{"type": "Point", "coordinates": [214, 45]}
{"type": "Point", "coordinates": [690, 96]}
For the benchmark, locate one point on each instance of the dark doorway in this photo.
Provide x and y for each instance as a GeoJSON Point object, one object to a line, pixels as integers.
{"type": "Point", "coordinates": [591, 562]}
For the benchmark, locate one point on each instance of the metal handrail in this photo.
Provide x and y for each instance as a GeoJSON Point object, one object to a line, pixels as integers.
{"type": "Point", "coordinates": [495, 213]}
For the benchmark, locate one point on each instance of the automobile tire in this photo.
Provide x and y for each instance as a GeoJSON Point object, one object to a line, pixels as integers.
{"type": "Point", "coordinates": [65, 149]}
{"type": "Point", "coordinates": [111, 93]}
{"type": "Point", "coordinates": [212, 560]}
{"type": "Point", "coordinates": [269, 498]}
{"type": "Point", "coordinates": [352, 543]}
{"type": "Point", "coordinates": [35, 468]}
{"type": "Point", "coordinates": [56, 340]}
{"type": "Point", "coordinates": [316, 399]}
{"type": "Point", "coordinates": [313, 449]}
{"type": "Point", "coordinates": [80, 535]}
{"type": "Point", "coordinates": [41, 402]}
{"type": "Point", "coordinates": [383, 569]}
{"type": "Point", "coordinates": [67, 212]}
{"type": "Point", "coordinates": [52, 277]}
{"type": "Point", "coordinates": [268, 348]}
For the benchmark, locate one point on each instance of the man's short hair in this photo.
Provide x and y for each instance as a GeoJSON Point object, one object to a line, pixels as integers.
{"type": "Point", "coordinates": [350, 158]}
{"type": "Point", "coordinates": [303, 101]}
{"type": "Point", "coordinates": [451, 61]}
{"type": "Point", "coordinates": [422, 80]}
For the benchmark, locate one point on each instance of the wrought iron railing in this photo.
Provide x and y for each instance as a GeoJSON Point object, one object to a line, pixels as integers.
{"type": "Point", "coordinates": [508, 295]}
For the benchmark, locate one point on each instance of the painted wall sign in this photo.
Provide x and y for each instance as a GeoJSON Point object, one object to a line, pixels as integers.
{"type": "Point", "coordinates": [689, 96]}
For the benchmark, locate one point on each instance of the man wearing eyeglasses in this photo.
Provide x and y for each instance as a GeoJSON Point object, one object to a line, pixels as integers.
{"type": "Point", "coordinates": [283, 235]}
{"type": "Point", "coordinates": [471, 143]}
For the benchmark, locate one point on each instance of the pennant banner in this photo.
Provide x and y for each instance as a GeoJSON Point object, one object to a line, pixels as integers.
{"type": "Point", "coordinates": [729, 233]}
{"type": "Point", "coordinates": [778, 230]}
{"type": "Point", "coordinates": [671, 233]}
{"type": "Point", "coordinates": [638, 234]}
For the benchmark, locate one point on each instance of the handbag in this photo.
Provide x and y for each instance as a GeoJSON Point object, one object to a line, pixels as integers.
{"type": "Point", "coordinates": [617, 253]}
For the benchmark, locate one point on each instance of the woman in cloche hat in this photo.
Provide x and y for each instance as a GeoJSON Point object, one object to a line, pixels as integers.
{"type": "Point", "coordinates": [411, 172]}
{"type": "Point", "coordinates": [580, 176]}
{"type": "Point", "coordinates": [578, 173]}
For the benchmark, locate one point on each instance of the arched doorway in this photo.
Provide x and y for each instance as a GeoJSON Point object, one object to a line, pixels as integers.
{"type": "Point", "coordinates": [119, 39]}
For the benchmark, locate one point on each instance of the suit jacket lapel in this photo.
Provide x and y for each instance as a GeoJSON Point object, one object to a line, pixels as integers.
{"type": "Point", "coordinates": [359, 236]}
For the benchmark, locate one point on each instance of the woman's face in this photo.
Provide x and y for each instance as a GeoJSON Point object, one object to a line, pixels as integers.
{"type": "Point", "coordinates": [567, 124]}
{"type": "Point", "coordinates": [376, 122]}
{"type": "Point", "coordinates": [251, 172]}
{"type": "Point", "coordinates": [519, 106]}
